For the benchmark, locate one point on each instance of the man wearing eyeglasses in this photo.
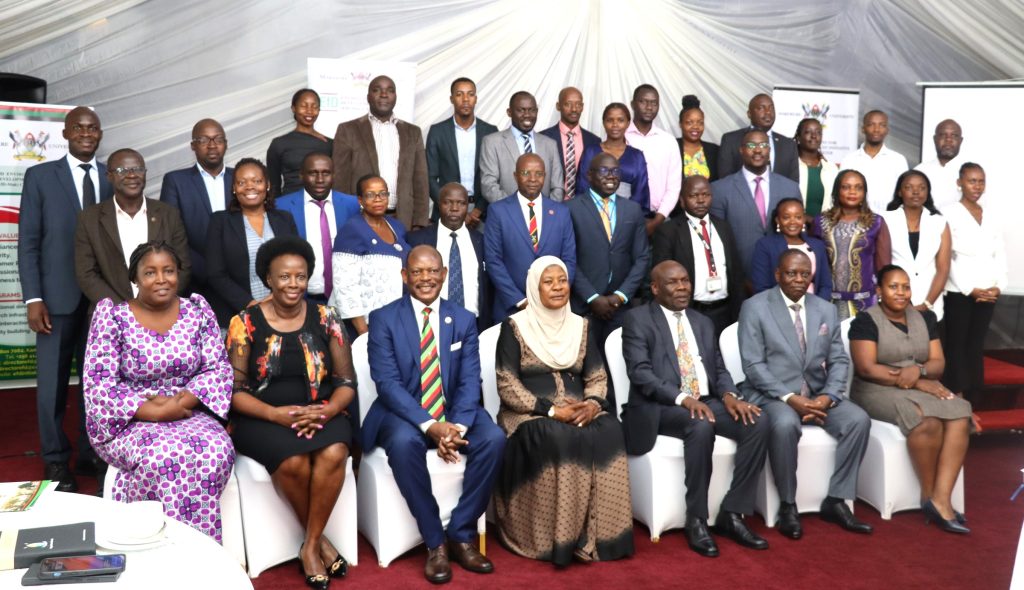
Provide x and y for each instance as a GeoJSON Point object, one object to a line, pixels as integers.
{"type": "Point", "coordinates": [198, 191]}
{"type": "Point", "coordinates": [747, 198]}
{"type": "Point", "coordinates": [108, 233]}
{"type": "Point", "coordinates": [52, 196]}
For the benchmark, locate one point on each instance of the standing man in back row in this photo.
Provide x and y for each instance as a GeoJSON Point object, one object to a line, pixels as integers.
{"type": "Point", "coordinates": [944, 170]}
{"type": "Point", "coordinates": [501, 152]}
{"type": "Point", "coordinates": [880, 165]}
{"type": "Point", "coordinates": [570, 136]}
{"type": "Point", "coordinates": [664, 164]}
{"type": "Point", "coordinates": [782, 152]}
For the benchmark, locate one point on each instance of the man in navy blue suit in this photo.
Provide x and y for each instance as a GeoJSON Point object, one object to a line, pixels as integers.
{"type": "Point", "coordinates": [315, 208]}
{"type": "Point", "coordinates": [611, 248]}
{"type": "Point", "coordinates": [52, 196]}
{"type": "Point", "coordinates": [198, 191]}
{"type": "Point", "coordinates": [570, 136]}
{"type": "Point", "coordinates": [462, 251]}
{"type": "Point", "coordinates": [521, 228]}
{"type": "Point", "coordinates": [425, 360]}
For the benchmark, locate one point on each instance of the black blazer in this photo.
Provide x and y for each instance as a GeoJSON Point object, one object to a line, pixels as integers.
{"type": "Point", "coordinates": [671, 241]}
{"type": "Point", "coordinates": [227, 259]}
{"type": "Point", "coordinates": [554, 133]}
{"type": "Point", "coordinates": [710, 154]}
{"type": "Point", "coordinates": [654, 371]}
{"type": "Point", "coordinates": [443, 159]}
{"type": "Point", "coordinates": [786, 157]}
{"type": "Point", "coordinates": [428, 235]}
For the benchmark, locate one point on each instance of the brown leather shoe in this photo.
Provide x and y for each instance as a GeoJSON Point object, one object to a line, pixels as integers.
{"type": "Point", "coordinates": [467, 555]}
{"type": "Point", "coordinates": [437, 570]}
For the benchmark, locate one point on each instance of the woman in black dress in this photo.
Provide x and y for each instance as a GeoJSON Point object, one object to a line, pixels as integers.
{"type": "Point", "coordinates": [294, 381]}
{"type": "Point", "coordinates": [286, 153]}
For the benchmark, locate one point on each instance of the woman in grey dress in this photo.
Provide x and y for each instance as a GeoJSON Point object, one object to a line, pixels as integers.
{"type": "Point", "coordinates": [898, 361]}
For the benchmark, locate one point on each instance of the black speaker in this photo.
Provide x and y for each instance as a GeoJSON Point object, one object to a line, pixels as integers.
{"type": "Point", "coordinates": [22, 88]}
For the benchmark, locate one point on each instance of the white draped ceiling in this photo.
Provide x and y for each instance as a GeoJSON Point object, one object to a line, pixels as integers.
{"type": "Point", "coordinates": [153, 68]}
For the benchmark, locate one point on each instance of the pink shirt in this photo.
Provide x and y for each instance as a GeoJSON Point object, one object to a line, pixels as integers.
{"type": "Point", "coordinates": [664, 166]}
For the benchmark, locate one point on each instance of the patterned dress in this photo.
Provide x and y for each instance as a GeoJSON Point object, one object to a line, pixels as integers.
{"type": "Point", "coordinates": [852, 254]}
{"type": "Point", "coordinates": [563, 491]}
{"type": "Point", "coordinates": [183, 464]}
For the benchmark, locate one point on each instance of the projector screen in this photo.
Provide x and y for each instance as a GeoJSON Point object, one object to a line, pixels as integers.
{"type": "Point", "coordinates": [987, 116]}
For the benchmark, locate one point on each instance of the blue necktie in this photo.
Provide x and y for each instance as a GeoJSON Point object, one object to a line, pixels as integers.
{"type": "Point", "coordinates": [455, 274]}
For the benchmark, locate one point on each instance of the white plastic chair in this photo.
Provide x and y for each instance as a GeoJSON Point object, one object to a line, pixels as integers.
{"type": "Point", "coordinates": [657, 481]}
{"type": "Point", "coordinates": [489, 384]}
{"type": "Point", "coordinates": [272, 531]}
{"type": "Point", "coordinates": [384, 516]}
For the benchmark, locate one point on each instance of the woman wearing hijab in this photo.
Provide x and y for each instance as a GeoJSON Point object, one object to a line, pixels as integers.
{"type": "Point", "coordinates": [563, 493]}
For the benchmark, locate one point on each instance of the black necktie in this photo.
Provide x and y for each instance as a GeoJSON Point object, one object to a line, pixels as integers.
{"type": "Point", "coordinates": [455, 294]}
{"type": "Point", "coordinates": [88, 190]}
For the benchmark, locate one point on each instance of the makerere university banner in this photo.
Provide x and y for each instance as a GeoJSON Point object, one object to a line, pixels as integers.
{"type": "Point", "coordinates": [834, 108]}
{"type": "Point", "coordinates": [29, 134]}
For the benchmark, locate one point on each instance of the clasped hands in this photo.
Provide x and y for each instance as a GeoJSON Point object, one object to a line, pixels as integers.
{"type": "Point", "coordinates": [167, 408]}
{"type": "Point", "coordinates": [985, 295]}
{"type": "Point", "coordinates": [306, 420]}
{"type": "Point", "coordinates": [910, 378]}
{"type": "Point", "coordinates": [448, 438]}
{"type": "Point", "coordinates": [604, 306]}
{"type": "Point", "coordinates": [811, 410]}
{"type": "Point", "coordinates": [577, 413]}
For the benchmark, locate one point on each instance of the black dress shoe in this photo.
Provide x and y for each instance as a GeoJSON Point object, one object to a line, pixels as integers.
{"type": "Point", "coordinates": [837, 511]}
{"type": "Point", "coordinates": [789, 521]}
{"type": "Point", "coordinates": [94, 467]}
{"type": "Point", "coordinates": [698, 537]}
{"type": "Point", "coordinates": [60, 473]}
{"type": "Point", "coordinates": [731, 525]}
{"type": "Point", "coordinates": [931, 514]}
{"type": "Point", "coordinates": [437, 569]}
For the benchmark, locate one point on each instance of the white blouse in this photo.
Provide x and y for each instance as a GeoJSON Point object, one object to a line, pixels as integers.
{"type": "Point", "coordinates": [979, 256]}
{"type": "Point", "coordinates": [921, 268]}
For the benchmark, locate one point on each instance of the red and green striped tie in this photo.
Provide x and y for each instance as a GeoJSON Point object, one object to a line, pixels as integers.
{"type": "Point", "coordinates": [430, 371]}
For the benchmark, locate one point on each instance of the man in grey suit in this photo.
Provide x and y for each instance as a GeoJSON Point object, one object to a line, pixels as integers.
{"type": "Point", "coordinates": [453, 151]}
{"type": "Point", "coordinates": [796, 371]}
{"type": "Point", "coordinates": [746, 199]}
{"type": "Point", "coordinates": [783, 157]}
{"type": "Point", "coordinates": [52, 196]}
{"type": "Point", "coordinates": [501, 151]}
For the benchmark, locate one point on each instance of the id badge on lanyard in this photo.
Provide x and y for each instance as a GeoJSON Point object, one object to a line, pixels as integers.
{"type": "Point", "coordinates": [714, 282]}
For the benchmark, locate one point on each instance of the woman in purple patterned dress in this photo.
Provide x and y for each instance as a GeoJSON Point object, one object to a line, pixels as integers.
{"type": "Point", "coordinates": [157, 389]}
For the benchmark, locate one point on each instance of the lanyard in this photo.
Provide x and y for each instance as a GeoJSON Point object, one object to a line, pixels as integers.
{"type": "Point", "coordinates": [706, 241]}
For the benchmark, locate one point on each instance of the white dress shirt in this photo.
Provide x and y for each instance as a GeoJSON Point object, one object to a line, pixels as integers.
{"type": "Point", "coordinates": [880, 172]}
{"type": "Point", "coordinates": [132, 231]}
{"type": "Point", "coordinates": [802, 302]}
{"type": "Point", "coordinates": [538, 212]}
{"type": "Point", "coordinates": [945, 192]}
{"type": "Point", "coordinates": [691, 340]}
{"type": "Point", "coordinates": [465, 146]}
{"type": "Point", "coordinates": [469, 264]}
{"type": "Point", "coordinates": [700, 261]}
{"type": "Point", "coordinates": [979, 254]}
{"type": "Point", "coordinates": [78, 174]}
{"type": "Point", "coordinates": [311, 211]}
{"type": "Point", "coordinates": [214, 187]}
{"type": "Point", "coordinates": [385, 137]}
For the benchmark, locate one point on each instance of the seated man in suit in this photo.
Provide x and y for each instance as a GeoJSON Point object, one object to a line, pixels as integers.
{"type": "Point", "coordinates": [570, 136]}
{"type": "Point", "coordinates": [453, 151]}
{"type": "Point", "coordinates": [679, 387]}
{"type": "Point", "coordinates": [52, 195]}
{"type": "Point", "coordinates": [425, 359]}
{"type": "Point", "coordinates": [664, 162]}
{"type": "Point", "coordinates": [705, 246]}
{"type": "Point", "coordinates": [382, 145]}
{"type": "Point", "coordinates": [782, 152]}
{"type": "Point", "coordinates": [521, 228]}
{"type": "Point", "coordinates": [611, 249]}
{"type": "Point", "coordinates": [796, 371]}
{"type": "Point", "coordinates": [319, 213]}
{"type": "Point", "coordinates": [745, 199]}
{"type": "Point", "coordinates": [108, 233]}
{"type": "Point", "coordinates": [198, 192]}
{"type": "Point", "coordinates": [500, 153]}
{"type": "Point", "coordinates": [462, 251]}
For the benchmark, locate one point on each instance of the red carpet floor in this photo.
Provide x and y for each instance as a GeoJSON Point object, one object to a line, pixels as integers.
{"type": "Point", "coordinates": [903, 552]}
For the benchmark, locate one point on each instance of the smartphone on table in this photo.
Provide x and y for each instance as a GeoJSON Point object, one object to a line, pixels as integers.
{"type": "Point", "coordinates": [82, 565]}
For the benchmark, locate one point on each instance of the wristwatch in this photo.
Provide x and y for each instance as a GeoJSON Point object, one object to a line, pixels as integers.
{"type": "Point", "coordinates": [738, 397]}
{"type": "Point", "coordinates": [924, 371]}
{"type": "Point", "coordinates": [551, 412]}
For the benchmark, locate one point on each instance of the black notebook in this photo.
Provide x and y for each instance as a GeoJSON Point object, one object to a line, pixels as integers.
{"type": "Point", "coordinates": [21, 548]}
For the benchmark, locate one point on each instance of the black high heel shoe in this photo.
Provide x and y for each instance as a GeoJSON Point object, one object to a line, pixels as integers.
{"type": "Point", "coordinates": [959, 517]}
{"type": "Point", "coordinates": [317, 581]}
{"type": "Point", "coordinates": [931, 513]}
{"type": "Point", "coordinates": [338, 567]}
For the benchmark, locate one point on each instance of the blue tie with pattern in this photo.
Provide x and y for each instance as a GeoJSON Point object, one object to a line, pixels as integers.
{"type": "Point", "coordinates": [455, 274]}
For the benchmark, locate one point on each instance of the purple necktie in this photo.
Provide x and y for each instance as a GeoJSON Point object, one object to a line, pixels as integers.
{"type": "Point", "coordinates": [326, 244]}
{"type": "Point", "coordinates": [759, 199]}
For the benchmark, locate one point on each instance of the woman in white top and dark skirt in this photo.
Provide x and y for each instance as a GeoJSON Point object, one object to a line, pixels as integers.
{"type": "Point", "coordinates": [921, 242]}
{"type": "Point", "coordinates": [977, 276]}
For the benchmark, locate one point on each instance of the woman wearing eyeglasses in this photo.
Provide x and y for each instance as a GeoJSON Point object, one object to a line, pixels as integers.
{"type": "Point", "coordinates": [235, 235]}
{"type": "Point", "coordinates": [369, 254]}
{"type": "Point", "coordinates": [632, 165]}
{"type": "Point", "coordinates": [286, 153]}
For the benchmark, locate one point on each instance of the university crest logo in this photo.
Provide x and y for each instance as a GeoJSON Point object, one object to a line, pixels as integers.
{"type": "Point", "coordinates": [29, 147]}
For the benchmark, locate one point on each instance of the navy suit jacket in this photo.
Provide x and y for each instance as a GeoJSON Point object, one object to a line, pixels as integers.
{"type": "Point", "coordinates": [603, 267]}
{"type": "Point", "coordinates": [46, 234]}
{"type": "Point", "coordinates": [733, 201]}
{"type": "Point", "coordinates": [394, 352]}
{"type": "Point", "coordinates": [653, 370]}
{"type": "Point", "coordinates": [345, 206]}
{"type": "Point", "coordinates": [443, 160]}
{"type": "Point", "coordinates": [555, 133]}
{"type": "Point", "coordinates": [509, 253]}
{"type": "Point", "coordinates": [428, 235]}
{"type": "Point", "coordinates": [783, 148]}
{"type": "Point", "coordinates": [186, 190]}
{"type": "Point", "coordinates": [766, 259]}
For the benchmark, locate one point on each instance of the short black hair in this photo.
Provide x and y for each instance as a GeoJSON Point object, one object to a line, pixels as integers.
{"type": "Point", "coordinates": [124, 151]}
{"type": "Point", "coordinates": [643, 88]}
{"type": "Point", "coordinates": [298, 94]}
{"type": "Point", "coordinates": [690, 102]}
{"type": "Point", "coordinates": [143, 250]}
{"type": "Point", "coordinates": [970, 166]}
{"type": "Point", "coordinates": [233, 204]}
{"type": "Point", "coordinates": [616, 105]}
{"type": "Point", "coordinates": [364, 179]}
{"type": "Point", "coordinates": [783, 203]}
{"type": "Point", "coordinates": [864, 119]}
{"type": "Point", "coordinates": [888, 268]}
{"type": "Point", "coordinates": [279, 246]}
{"type": "Point", "coordinates": [517, 94]}
{"type": "Point", "coordinates": [459, 81]}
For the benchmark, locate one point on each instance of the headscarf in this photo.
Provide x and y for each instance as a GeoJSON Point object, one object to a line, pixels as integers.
{"type": "Point", "coordinates": [554, 335]}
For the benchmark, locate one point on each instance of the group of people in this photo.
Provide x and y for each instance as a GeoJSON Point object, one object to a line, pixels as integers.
{"type": "Point", "coordinates": [218, 319]}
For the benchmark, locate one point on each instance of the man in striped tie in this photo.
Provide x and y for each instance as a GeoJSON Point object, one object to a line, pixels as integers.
{"type": "Point", "coordinates": [425, 362]}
